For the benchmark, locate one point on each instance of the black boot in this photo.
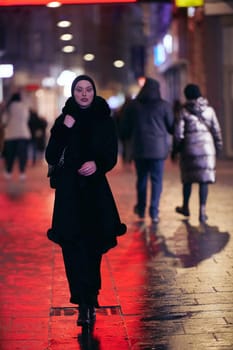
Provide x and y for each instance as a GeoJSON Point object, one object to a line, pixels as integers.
{"type": "Point", "coordinates": [183, 210]}
{"type": "Point", "coordinates": [84, 315]}
{"type": "Point", "coordinates": [92, 313]}
{"type": "Point", "coordinates": [87, 315]}
{"type": "Point", "coordinates": [202, 215]}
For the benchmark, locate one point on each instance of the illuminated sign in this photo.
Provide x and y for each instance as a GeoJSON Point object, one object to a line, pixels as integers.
{"type": "Point", "coordinates": [159, 55]}
{"type": "Point", "coordinates": [6, 70]}
{"type": "Point", "coordinates": [64, 2]}
{"type": "Point", "coordinates": [189, 3]}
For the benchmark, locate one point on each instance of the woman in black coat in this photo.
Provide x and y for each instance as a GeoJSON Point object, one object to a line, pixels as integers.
{"type": "Point", "coordinates": [85, 220]}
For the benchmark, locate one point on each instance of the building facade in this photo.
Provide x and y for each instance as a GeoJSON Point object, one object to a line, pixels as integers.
{"type": "Point", "coordinates": [198, 48]}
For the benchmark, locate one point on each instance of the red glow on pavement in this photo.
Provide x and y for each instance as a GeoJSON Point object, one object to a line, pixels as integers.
{"type": "Point", "coordinates": [35, 274]}
{"type": "Point", "coordinates": [158, 284]}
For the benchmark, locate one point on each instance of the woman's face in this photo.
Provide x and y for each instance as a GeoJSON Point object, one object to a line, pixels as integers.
{"type": "Point", "coordinates": [84, 93]}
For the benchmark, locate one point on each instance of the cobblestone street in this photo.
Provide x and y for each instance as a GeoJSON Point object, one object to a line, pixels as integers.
{"type": "Point", "coordinates": [164, 287]}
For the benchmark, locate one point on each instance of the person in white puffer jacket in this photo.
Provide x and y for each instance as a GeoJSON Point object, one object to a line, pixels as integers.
{"type": "Point", "coordinates": [17, 136]}
{"type": "Point", "coordinates": [198, 138]}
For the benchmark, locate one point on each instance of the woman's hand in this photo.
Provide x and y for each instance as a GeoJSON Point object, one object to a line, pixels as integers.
{"type": "Point", "coordinates": [69, 121]}
{"type": "Point", "coordinates": [88, 168]}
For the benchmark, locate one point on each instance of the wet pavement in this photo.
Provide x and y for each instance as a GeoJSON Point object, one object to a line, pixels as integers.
{"type": "Point", "coordinates": [165, 287]}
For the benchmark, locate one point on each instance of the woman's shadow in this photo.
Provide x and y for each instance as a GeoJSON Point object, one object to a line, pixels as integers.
{"type": "Point", "coordinates": [87, 340]}
{"type": "Point", "coordinates": [202, 242]}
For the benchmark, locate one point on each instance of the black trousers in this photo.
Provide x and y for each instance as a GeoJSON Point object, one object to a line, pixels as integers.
{"type": "Point", "coordinates": [16, 150]}
{"type": "Point", "coordinates": [83, 271]}
{"type": "Point", "coordinates": [203, 193]}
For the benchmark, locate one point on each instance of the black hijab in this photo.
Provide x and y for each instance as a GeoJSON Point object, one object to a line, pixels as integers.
{"type": "Point", "coordinates": [82, 77]}
{"type": "Point", "coordinates": [97, 109]}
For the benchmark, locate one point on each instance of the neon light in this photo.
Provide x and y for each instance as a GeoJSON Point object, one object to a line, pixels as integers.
{"type": "Point", "coordinates": [159, 55]}
{"type": "Point", "coordinates": [64, 2]}
{"type": "Point", "coordinates": [189, 3]}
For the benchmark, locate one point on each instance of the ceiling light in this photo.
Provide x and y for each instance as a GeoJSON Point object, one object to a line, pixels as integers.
{"type": "Point", "coordinates": [119, 63]}
{"type": "Point", "coordinates": [64, 24]}
{"type": "Point", "coordinates": [66, 37]}
{"type": "Point", "coordinates": [68, 49]}
{"type": "Point", "coordinates": [89, 57]}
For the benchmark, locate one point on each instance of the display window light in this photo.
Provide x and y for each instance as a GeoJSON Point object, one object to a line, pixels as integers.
{"type": "Point", "coordinates": [6, 70]}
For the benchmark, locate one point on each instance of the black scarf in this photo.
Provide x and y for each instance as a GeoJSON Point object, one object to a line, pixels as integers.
{"type": "Point", "coordinates": [86, 121]}
{"type": "Point", "coordinates": [97, 110]}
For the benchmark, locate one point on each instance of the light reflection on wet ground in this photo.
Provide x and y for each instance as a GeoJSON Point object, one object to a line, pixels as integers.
{"type": "Point", "coordinates": [165, 287]}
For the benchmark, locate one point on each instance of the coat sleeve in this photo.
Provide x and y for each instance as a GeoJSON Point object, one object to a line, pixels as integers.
{"type": "Point", "coordinates": [179, 129]}
{"type": "Point", "coordinates": [169, 119]}
{"type": "Point", "coordinates": [126, 122]}
{"type": "Point", "coordinates": [216, 133]}
{"type": "Point", "coordinates": [106, 155]}
{"type": "Point", "coordinates": [58, 140]}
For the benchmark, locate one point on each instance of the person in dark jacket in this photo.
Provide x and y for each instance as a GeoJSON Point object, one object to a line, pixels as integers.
{"type": "Point", "coordinates": [37, 126]}
{"type": "Point", "coordinates": [85, 220]}
{"type": "Point", "coordinates": [148, 120]}
{"type": "Point", "coordinates": [198, 138]}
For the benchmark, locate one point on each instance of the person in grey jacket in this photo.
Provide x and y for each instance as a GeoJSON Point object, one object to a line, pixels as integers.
{"type": "Point", "coordinates": [148, 120]}
{"type": "Point", "coordinates": [198, 138]}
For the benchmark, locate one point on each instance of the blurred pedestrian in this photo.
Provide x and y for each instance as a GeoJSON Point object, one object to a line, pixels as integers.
{"type": "Point", "coordinates": [85, 220]}
{"type": "Point", "coordinates": [177, 105]}
{"type": "Point", "coordinates": [149, 120]}
{"type": "Point", "coordinates": [197, 138]}
{"type": "Point", "coordinates": [17, 135]}
{"type": "Point", "coordinates": [37, 127]}
{"type": "Point", "coordinates": [126, 143]}
{"type": "Point", "coordinates": [2, 127]}
{"type": "Point", "coordinates": [176, 108]}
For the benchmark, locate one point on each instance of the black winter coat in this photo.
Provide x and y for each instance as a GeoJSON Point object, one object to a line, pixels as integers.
{"type": "Point", "coordinates": [148, 120]}
{"type": "Point", "coordinates": [84, 207]}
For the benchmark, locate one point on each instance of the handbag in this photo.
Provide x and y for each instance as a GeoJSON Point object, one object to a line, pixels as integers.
{"type": "Point", "coordinates": [54, 171]}
{"type": "Point", "coordinates": [177, 147]}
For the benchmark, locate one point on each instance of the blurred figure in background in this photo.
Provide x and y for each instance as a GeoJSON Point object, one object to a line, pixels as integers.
{"type": "Point", "coordinates": [177, 106]}
{"type": "Point", "coordinates": [197, 138]}
{"type": "Point", "coordinates": [37, 127]}
{"type": "Point", "coordinates": [126, 143]}
{"type": "Point", "coordinates": [2, 127]}
{"type": "Point", "coordinates": [17, 136]}
{"type": "Point", "coordinates": [148, 120]}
